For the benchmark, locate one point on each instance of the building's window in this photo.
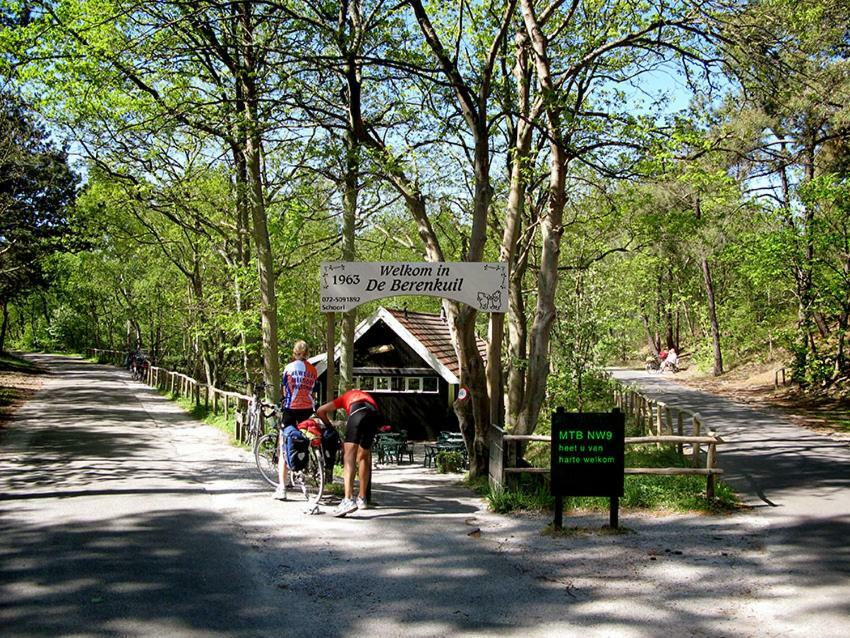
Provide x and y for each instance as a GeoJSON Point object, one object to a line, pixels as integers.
{"type": "Point", "coordinates": [397, 384]}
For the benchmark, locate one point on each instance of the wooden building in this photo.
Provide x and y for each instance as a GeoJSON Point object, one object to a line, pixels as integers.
{"type": "Point", "coordinates": [407, 362]}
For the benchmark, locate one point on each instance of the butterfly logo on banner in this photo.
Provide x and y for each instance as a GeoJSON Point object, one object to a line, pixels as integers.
{"type": "Point", "coordinates": [490, 302]}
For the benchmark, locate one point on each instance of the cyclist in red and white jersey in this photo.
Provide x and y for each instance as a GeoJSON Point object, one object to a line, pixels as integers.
{"type": "Point", "coordinates": [364, 418]}
{"type": "Point", "coordinates": [299, 378]}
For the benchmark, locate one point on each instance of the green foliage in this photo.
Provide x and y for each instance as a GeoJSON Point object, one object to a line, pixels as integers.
{"type": "Point", "coordinates": [673, 493]}
{"type": "Point", "coordinates": [37, 190]}
{"type": "Point", "coordinates": [448, 462]}
{"type": "Point", "coordinates": [594, 394]}
{"type": "Point", "coordinates": [531, 499]}
{"type": "Point", "coordinates": [649, 197]}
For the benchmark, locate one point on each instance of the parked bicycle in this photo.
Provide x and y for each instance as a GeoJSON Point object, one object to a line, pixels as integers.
{"type": "Point", "coordinates": [308, 481]}
{"type": "Point", "coordinates": [258, 413]}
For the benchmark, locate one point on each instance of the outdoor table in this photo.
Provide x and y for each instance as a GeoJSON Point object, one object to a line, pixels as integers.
{"type": "Point", "coordinates": [433, 449]}
{"type": "Point", "coordinates": [391, 446]}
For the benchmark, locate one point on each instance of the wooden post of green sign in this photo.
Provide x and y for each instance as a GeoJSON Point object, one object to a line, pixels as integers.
{"type": "Point", "coordinates": [614, 506]}
{"type": "Point", "coordinates": [559, 513]}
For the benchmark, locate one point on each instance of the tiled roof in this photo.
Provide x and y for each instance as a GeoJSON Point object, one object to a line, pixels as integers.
{"type": "Point", "coordinates": [428, 335]}
{"type": "Point", "coordinates": [434, 334]}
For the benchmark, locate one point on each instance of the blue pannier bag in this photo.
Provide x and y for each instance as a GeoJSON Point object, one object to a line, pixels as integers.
{"type": "Point", "coordinates": [330, 447]}
{"type": "Point", "coordinates": [297, 447]}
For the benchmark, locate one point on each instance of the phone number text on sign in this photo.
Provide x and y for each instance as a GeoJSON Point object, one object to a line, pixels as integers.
{"type": "Point", "coordinates": [339, 304]}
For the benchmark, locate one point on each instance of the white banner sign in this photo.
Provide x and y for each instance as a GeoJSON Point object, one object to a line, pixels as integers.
{"type": "Point", "coordinates": [347, 284]}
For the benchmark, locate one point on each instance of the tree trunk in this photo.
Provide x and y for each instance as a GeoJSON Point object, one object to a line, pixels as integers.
{"type": "Point", "coordinates": [349, 214]}
{"type": "Point", "coordinates": [550, 230]}
{"type": "Point", "coordinates": [257, 206]}
{"type": "Point", "coordinates": [841, 363]}
{"type": "Point", "coordinates": [669, 337]}
{"type": "Point", "coordinates": [3, 325]}
{"type": "Point", "coordinates": [250, 363]}
{"type": "Point", "coordinates": [353, 87]}
{"type": "Point", "coordinates": [712, 316]}
{"type": "Point", "coordinates": [650, 338]}
{"type": "Point", "coordinates": [461, 320]}
{"type": "Point", "coordinates": [840, 357]}
{"type": "Point", "coordinates": [508, 252]}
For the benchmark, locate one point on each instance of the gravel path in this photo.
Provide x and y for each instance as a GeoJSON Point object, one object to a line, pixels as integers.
{"type": "Point", "coordinates": [119, 515]}
{"type": "Point", "coordinates": [798, 483]}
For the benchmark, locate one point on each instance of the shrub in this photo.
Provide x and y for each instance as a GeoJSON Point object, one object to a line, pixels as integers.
{"type": "Point", "coordinates": [449, 462]}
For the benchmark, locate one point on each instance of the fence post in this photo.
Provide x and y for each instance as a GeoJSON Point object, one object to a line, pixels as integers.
{"type": "Point", "coordinates": [215, 399]}
{"type": "Point", "coordinates": [638, 411]}
{"type": "Point", "coordinates": [680, 430]}
{"type": "Point", "coordinates": [226, 401]}
{"type": "Point", "coordinates": [659, 420]}
{"type": "Point", "coordinates": [237, 430]}
{"type": "Point", "coordinates": [709, 464]}
{"type": "Point", "coordinates": [697, 429]}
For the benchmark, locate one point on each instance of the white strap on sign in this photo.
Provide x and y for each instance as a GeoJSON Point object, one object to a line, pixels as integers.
{"type": "Point", "coordinates": [347, 284]}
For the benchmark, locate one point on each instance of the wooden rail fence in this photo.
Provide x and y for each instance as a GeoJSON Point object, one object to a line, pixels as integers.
{"type": "Point", "coordinates": [658, 423]}
{"type": "Point", "coordinates": [185, 386]}
{"type": "Point", "coordinates": [503, 456]}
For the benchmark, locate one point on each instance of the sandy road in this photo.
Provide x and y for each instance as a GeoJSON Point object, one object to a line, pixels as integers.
{"type": "Point", "coordinates": [121, 516]}
{"type": "Point", "coordinates": [798, 483]}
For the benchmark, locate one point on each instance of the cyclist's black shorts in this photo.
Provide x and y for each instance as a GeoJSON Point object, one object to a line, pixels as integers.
{"type": "Point", "coordinates": [294, 417]}
{"type": "Point", "coordinates": [362, 424]}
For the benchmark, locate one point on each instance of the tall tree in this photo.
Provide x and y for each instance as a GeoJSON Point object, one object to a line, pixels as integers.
{"type": "Point", "coordinates": [37, 191]}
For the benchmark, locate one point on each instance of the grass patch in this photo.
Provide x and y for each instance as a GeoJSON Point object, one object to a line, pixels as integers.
{"type": "Point", "coordinates": [650, 492]}
{"type": "Point", "coordinates": [11, 363]}
{"type": "Point", "coordinates": [480, 484]}
{"type": "Point", "coordinates": [334, 489]}
{"type": "Point", "coordinates": [18, 379]}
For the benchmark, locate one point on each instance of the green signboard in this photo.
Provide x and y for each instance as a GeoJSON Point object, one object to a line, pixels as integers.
{"type": "Point", "coordinates": [588, 453]}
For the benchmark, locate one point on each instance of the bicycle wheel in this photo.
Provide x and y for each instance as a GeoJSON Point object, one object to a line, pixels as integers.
{"type": "Point", "coordinates": [266, 454]}
{"type": "Point", "coordinates": [311, 480]}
